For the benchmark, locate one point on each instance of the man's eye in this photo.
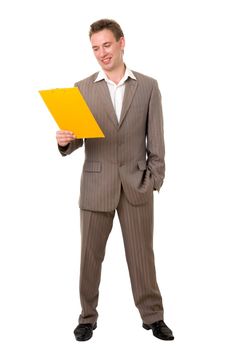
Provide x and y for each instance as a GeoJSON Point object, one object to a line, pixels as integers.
{"type": "Point", "coordinates": [107, 45]}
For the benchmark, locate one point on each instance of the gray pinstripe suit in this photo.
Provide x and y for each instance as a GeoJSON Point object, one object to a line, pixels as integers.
{"type": "Point", "coordinates": [120, 173]}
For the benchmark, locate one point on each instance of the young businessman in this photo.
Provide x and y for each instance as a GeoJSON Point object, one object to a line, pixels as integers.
{"type": "Point", "coordinates": [119, 174]}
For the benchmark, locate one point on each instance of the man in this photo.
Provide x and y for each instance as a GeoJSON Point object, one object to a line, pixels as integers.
{"type": "Point", "coordinates": [117, 176]}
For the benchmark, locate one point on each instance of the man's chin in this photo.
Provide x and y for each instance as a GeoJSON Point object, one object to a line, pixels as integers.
{"type": "Point", "coordinates": [106, 67]}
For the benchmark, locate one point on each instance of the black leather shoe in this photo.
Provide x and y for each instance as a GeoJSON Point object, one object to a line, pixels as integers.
{"type": "Point", "coordinates": [84, 331]}
{"type": "Point", "coordinates": [160, 330]}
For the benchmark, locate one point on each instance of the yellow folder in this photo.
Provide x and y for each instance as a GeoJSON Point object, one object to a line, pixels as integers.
{"type": "Point", "coordinates": [71, 112]}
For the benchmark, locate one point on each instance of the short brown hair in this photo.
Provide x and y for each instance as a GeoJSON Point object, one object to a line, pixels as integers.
{"type": "Point", "coordinates": [109, 24]}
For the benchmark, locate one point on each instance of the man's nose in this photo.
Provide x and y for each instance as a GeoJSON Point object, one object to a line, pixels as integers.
{"type": "Point", "coordinates": [102, 52]}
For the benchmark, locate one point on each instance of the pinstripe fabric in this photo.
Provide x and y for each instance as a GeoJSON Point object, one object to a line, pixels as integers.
{"type": "Point", "coordinates": [132, 152]}
{"type": "Point", "coordinates": [95, 229]}
{"type": "Point", "coordinates": [120, 173]}
{"type": "Point", "coordinates": [137, 229]}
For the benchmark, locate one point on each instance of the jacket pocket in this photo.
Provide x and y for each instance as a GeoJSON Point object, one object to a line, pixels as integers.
{"type": "Point", "coordinates": [142, 164]}
{"type": "Point", "coordinates": [92, 167]}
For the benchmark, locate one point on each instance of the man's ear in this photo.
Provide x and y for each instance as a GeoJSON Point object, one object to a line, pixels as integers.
{"type": "Point", "coordinates": [122, 42]}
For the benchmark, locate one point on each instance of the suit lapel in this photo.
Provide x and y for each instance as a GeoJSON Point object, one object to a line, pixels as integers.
{"type": "Point", "coordinates": [104, 95]}
{"type": "Point", "coordinates": [130, 89]}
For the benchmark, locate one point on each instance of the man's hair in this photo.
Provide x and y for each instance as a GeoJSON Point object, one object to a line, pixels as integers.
{"type": "Point", "coordinates": [109, 24]}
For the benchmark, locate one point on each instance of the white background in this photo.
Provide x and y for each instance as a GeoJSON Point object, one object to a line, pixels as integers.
{"type": "Point", "coordinates": [187, 47]}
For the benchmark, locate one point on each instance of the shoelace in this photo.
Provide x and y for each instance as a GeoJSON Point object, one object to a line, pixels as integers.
{"type": "Point", "coordinates": [160, 323]}
{"type": "Point", "coordinates": [85, 326]}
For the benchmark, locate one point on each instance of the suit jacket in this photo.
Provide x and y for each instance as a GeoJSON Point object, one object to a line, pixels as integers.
{"type": "Point", "coordinates": [132, 152]}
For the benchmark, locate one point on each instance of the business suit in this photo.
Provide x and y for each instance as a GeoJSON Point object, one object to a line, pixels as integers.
{"type": "Point", "coordinates": [117, 176]}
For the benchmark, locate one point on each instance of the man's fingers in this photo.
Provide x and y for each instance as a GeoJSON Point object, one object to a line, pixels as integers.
{"type": "Point", "coordinates": [65, 133]}
{"type": "Point", "coordinates": [64, 137]}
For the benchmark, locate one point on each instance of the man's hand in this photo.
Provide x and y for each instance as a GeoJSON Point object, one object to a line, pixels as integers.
{"type": "Point", "coordinates": [64, 137]}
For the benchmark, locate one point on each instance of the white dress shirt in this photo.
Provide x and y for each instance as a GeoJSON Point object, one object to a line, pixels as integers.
{"type": "Point", "coordinates": [116, 90]}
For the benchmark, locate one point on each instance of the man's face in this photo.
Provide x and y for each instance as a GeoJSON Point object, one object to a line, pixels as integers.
{"type": "Point", "coordinates": [108, 51]}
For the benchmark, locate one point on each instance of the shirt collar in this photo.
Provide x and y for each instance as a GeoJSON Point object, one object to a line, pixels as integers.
{"type": "Point", "coordinates": [102, 76]}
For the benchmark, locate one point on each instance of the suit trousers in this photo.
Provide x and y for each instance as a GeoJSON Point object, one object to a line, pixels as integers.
{"type": "Point", "coordinates": [137, 229]}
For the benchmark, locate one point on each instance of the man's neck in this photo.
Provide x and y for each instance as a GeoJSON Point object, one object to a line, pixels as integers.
{"type": "Point", "coordinates": [117, 74]}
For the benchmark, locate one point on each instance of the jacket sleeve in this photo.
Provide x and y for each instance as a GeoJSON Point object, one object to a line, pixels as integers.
{"type": "Point", "coordinates": [155, 138]}
{"type": "Point", "coordinates": [71, 147]}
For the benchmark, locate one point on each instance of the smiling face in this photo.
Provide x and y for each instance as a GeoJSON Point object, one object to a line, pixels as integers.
{"type": "Point", "coordinates": [108, 51]}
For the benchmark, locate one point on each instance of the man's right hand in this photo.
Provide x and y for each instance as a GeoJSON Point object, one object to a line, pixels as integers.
{"type": "Point", "coordinates": [64, 137]}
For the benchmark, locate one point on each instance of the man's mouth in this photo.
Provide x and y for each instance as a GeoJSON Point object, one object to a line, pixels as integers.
{"type": "Point", "coordinates": [106, 60]}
